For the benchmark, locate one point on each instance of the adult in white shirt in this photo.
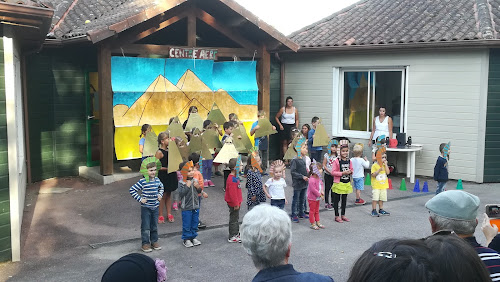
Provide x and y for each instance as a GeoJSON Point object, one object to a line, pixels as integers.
{"type": "Point", "coordinates": [382, 125]}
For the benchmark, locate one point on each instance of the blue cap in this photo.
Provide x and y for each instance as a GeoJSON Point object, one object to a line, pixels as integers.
{"type": "Point", "coordinates": [454, 204]}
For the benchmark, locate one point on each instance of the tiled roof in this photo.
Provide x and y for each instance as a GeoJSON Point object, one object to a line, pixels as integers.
{"type": "Point", "coordinates": [385, 22]}
{"type": "Point", "coordinates": [74, 18]}
{"type": "Point", "coordinates": [32, 3]}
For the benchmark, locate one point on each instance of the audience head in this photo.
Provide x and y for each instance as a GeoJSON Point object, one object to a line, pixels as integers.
{"type": "Point", "coordinates": [454, 210]}
{"type": "Point", "coordinates": [266, 234]}
{"type": "Point", "coordinates": [136, 267]}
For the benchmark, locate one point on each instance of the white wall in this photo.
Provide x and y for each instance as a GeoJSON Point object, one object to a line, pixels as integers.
{"type": "Point", "coordinates": [446, 100]}
{"type": "Point", "coordinates": [15, 137]}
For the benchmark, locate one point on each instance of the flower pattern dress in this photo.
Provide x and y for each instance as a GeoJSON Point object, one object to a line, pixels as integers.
{"type": "Point", "coordinates": [254, 186]}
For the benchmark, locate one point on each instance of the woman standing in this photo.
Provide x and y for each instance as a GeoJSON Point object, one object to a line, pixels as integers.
{"type": "Point", "coordinates": [286, 118]}
{"type": "Point", "coordinates": [382, 125]}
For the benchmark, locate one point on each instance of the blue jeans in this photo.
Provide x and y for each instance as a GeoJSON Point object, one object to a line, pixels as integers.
{"type": "Point", "coordinates": [278, 203]}
{"type": "Point", "coordinates": [149, 225]}
{"type": "Point", "coordinates": [316, 155]}
{"type": "Point", "coordinates": [207, 169]}
{"type": "Point", "coordinates": [190, 221]}
{"type": "Point", "coordinates": [298, 202]}
{"type": "Point", "coordinates": [440, 187]}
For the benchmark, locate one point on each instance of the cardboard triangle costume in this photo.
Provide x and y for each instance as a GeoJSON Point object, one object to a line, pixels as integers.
{"type": "Point", "coordinates": [150, 144]}
{"type": "Point", "coordinates": [194, 121]}
{"type": "Point", "coordinates": [244, 137]}
{"type": "Point", "coordinates": [216, 115]}
{"type": "Point", "coordinates": [320, 136]}
{"type": "Point", "coordinates": [227, 152]}
{"type": "Point", "coordinates": [265, 128]}
{"type": "Point", "coordinates": [174, 157]}
{"type": "Point", "coordinates": [211, 138]}
{"type": "Point", "coordinates": [205, 152]}
{"type": "Point", "coordinates": [290, 152]}
{"type": "Point", "coordinates": [175, 130]}
{"type": "Point", "coordinates": [195, 144]}
{"type": "Point", "coordinates": [184, 149]}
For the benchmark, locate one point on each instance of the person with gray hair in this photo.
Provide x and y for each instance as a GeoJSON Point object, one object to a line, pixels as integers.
{"type": "Point", "coordinates": [266, 234]}
{"type": "Point", "coordinates": [456, 211]}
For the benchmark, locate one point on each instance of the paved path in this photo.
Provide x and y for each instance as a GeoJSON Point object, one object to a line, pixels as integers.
{"type": "Point", "coordinates": [75, 234]}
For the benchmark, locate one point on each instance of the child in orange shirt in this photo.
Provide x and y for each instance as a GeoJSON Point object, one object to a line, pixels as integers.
{"type": "Point", "coordinates": [195, 158]}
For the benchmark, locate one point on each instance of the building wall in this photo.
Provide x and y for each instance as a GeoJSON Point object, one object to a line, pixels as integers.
{"type": "Point", "coordinates": [446, 97]}
{"type": "Point", "coordinates": [274, 142]}
{"type": "Point", "coordinates": [56, 110]}
{"type": "Point", "coordinates": [492, 145]}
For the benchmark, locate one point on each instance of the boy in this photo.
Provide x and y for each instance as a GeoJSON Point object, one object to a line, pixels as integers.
{"type": "Point", "coordinates": [299, 181]}
{"type": "Point", "coordinates": [315, 152]}
{"type": "Point", "coordinates": [262, 142]}
{"type": "Point", "coordinates": [195, 158]}
{"type": "Point", "coordinates": [380, 184]}
{"type": "Point", "coordinates": [189, 188]}
{"type": "Point", "coordinates": [150, 194]}
{"type": "Point", "coordinates": [359, 164]}
{"type": "Point", "coordinates": [228, 131]}
{"type": "Point", "coordinates": [233, 198]}
{"type": "Point", "coordinates": [441, 170]}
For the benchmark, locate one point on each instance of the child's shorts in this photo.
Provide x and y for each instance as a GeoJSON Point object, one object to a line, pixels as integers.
{"type": "Point", "coordinates": [379, 195]}
{"type": "Point", "coordinates": [359, 183]}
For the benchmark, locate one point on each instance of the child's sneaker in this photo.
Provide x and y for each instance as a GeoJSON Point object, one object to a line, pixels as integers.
{"type": "Point", "coordinates": [206, 183]}
{"type": "Point", "coordinates": [375, 213]}
{"type": "Point", "coordinates": [196, 242]}
{"type": "Point", "coordinates": [156, 246]}
{"type": "Point", "coordinates": [327, 205]}
{"type": "Point", "coordinates": [146, 248]}
{"type": "Point", "coordinates": [188, 243]}
{"type": "Point", "coordinates": [295, 219]}
{"type": "Point", "coordinates": [382, 212]}
{"type": "Point", "coordinates": [330, 207]}
{"type": "Point", "coordinates": [174, 206]}
{"type": "Point", "coordinates": [210, 183]}
{"type": "Point", "coordinates": [359, 202]}
{"type": "Point", "coordinates": [239, 237]}
{"type": "Point", "coordinates": [303, 216]}
{"type": "Point", "coordinates": [233, 239]}
{"type": "Point", "coordinates": [201, 225]}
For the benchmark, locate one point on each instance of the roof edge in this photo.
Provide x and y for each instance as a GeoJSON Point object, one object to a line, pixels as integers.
{"type": "Point", "coordinates": [28, 11]}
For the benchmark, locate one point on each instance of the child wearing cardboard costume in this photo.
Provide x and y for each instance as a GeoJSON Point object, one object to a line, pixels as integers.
{"type": "Point", "coordinates": [233, 199]}
{"type": "Point", "coordinates": [197, 160]}
{"type": "Point", "coordinates": [255, 194]}
{"type": "Point", "coordinates": [341, 171]}
{"type": "Point", "coordinates": [275, 185]}
{"type": "Point", "coordinates": [189, 188]}
{"type": "Point", "coordinates": [148, 191]}
{"type": "Point", "coordinates": [261, 142]}
{"type": "Point", "coordinates": [328, 160]}
{"type": "Point", "coordinates": [144, 130]}
{"type": "Point", "coordinates": [315, 192]}
{"type": "Point", "coordinates": [441, 167]}
{"type": "Point", "coordinates": [315, 152]}
{"type": "Point", "coordinates": [299, 173]}
{"type": "Point", "coordinates": [380, 182]}
{"type": "Point", "coordinates": [169, 180]}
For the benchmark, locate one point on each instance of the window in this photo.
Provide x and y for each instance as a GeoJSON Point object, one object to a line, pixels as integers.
{"type": "Point", "coordinates": [360, 94]}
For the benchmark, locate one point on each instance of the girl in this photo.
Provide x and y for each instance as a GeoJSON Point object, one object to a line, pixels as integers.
{"type": "Point", "coordinates": [328, 160]}
{"type": "Point", "coordinates": [314, 194]}
{"type": "Point", "coordinates": [169, 180]}
{"type": "Point", "coordinates": [275, 186]}
{"type": "Point", "coordinates": [144, 130]}
{"type": "Point", "coordinates": [342, 171]}
{"type": "Point", "coordinates": [207, 164]}
{"type": "Point", "coordinates": [256, 193]}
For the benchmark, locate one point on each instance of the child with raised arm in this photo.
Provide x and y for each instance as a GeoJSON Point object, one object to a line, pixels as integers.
{"type": "Point", "coordinates": [233, 199]}
{"type": "Point", "coordinates": [359, 164]}
{"type": "Point", "coordinates": [380, 184]}
{"type": "Point", "coordinates": [262, 142]}
{"type": "Point", "coordinates": [315, 193]}
{"type": "Point", "coordinates": [189, 188]}
{"type": "Point", "coordinates": [299, 181]}
{"type": "Point", "coordinates": [315, 152]}
{"type": "Point", "coordinates": [441, 170]}
{"type": "Point", "coordinates": [275, 186]}
{"type": "Point", "coordinates": [342, 171]}
{"type": "Point", "coordinates": [148, 191]}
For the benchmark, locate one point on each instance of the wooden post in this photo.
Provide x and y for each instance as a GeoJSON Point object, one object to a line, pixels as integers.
{"type": "Point", "coordinates": [105, 109]}
{"type": "Point", "coordinates": [265, 81]}
{"type": "Point", "coordinates": [191, 29]}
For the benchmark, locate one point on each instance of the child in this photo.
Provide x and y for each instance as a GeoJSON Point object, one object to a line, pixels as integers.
{"type": "Point", "coordinates": [380, 184]}
{"type": "Point", "coordinates": [441, 170]}
{"type": "Point", "coordinates": [342, 171]}
{"type": "Point", "coordinates": [299, 181]}
{"type": "Point", "coordinates": [275, 186]}
{"type": "Point", "coordinates": [195, 158]}
{"type": "Point", "coordinates": [169, 180]}
{"type": "Point", "coordinates": [233, 198]}
{"type": "Point", "coordinates": [256, 193]}
{"type": "Point", "coordinates": [207, 164]}
{"type": "Point", "coordinates": [314, 151]}
{"type": "Point", "coordinates": [228, 131]}
{"type": "Point", "coordinates": [262, 142]}
{"type": "Point", "coordinates": [328, 160]}
{"type": "Point", "coordinates": [359, 164]}
{"type": "Point", "coordinates": [314, 194]}
{"type": "Point", "coordinates": [150, 193]}
{"type": "Point", "coordinates": [144, 130]}
{"type": "Point", "coordinates": [189, 188]}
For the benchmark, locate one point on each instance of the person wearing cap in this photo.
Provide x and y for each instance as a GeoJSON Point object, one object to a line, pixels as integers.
{"type": "Point", "coordinates": [456, 211]}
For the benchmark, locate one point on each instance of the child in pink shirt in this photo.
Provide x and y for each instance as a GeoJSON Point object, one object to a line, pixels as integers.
{"type": "Point", "coordinates": [315, 192]}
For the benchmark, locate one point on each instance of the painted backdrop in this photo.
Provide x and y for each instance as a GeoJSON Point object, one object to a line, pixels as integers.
{"type": "Point", "coordinates": [151, 91]}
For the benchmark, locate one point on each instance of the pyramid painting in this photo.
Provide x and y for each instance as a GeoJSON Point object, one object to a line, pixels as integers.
{"type": "Point", "coordinates": [151, 91]}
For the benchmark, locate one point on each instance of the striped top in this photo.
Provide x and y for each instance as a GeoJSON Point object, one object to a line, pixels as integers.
{"type": "Point", "coordinates": [489, 257]}
{"type": "Point", "coordinates": [149, 190]}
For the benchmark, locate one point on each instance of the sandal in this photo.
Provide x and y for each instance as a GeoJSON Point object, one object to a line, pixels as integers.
{"type": "Point", "coordinates": [320, 225]}
{"type": "Point", "coordinates": [338, 219]}
{"type": "Point", "coordinates": [314, 226]}
{"type": "Point", "coordinates": [345, 218]}
{"type": "Point", "coordinates": [170, 218]}
{"type": "Point", "coordinates": [161, 219]}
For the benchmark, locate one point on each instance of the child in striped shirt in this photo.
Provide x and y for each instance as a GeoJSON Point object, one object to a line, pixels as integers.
{"type": "Point", "coordinates": [150, 194]}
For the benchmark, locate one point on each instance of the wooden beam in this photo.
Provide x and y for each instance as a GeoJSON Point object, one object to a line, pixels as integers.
{"type": "Point", "coordinates": [161, 26]}
{"type": "Point", "coordinates": [265, 81]}
{"type": "Point", "coordinates": [211, 21]}
{"type": "Point", "coordinates": [105, 109]}
{"type": "Point", "coordinates": [151, 49]}
{"type": "Point", "coordinates": [191, 30]}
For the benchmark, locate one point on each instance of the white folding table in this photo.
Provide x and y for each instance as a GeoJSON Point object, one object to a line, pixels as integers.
{"type": "Point", "coordinates": [410, 159]}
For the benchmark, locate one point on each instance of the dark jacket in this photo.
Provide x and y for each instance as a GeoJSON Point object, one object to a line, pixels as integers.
{"type": "Point", "coordinates": [189, 195]}
{"type": "Point", "coordinates": [298, 170]}
{"type": "Point", "coordinates": [441, 170]}
{"type": "Point", "coordinates": [286, 273]}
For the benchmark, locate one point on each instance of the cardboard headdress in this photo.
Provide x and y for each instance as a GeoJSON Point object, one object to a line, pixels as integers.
{"type": "Point", "coordinates": [150, 144]}
{"type": "Point", "coordinates": [183, 148]}
{"type": "Point", "coordinates": [274, 165]}
{"type": "Point", "coordinates": [174, 157]}
{"type": "Point", "coordinates": [200, 163]}
{"type": "Point", "coordinates": [255, 164]}
{"type": "Point", "coordinates": [175, 120]}
{"type": "Point", "coordinates": [227, 152]}
{"type": "Point", "coordinates": [315, 168]}
{"type": "Point", "coordinates": [379, 141]}
{"type": "Point", "coordinates": [298, 146]}
{"type": "Point", "coordinates": [238, 167]}
{"type": "Point", "coordinates": [342, 141]}
{"type": "Point", "coordinates": [185, 170]}
{"type": "Point", "coordinates": [216, 115]}
{"type": "Point", "coordinates": [330, 144]}
{"type": "Point", "coordinates": [144, 169]}
{"type": "Point", "coordinates": [320, 136]}
{"type": "Point", "coordinates": [194, 121]}
{"type": "Point", "coordinates": [380, 152]}
{"type": "Point", "coordinates": [211, 138]}
{"type": "Point", "coordinates": [265, 128]}
{"type": "Point", "coordinates": [446, 151]}
{"type": "Point", "coordinates": [290, 152]}
{"type": "Point", "coordinates": [175, 130]}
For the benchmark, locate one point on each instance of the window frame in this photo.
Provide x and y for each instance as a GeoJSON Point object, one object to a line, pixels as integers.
{"type": "Point", "coordinates": [338, 99]}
